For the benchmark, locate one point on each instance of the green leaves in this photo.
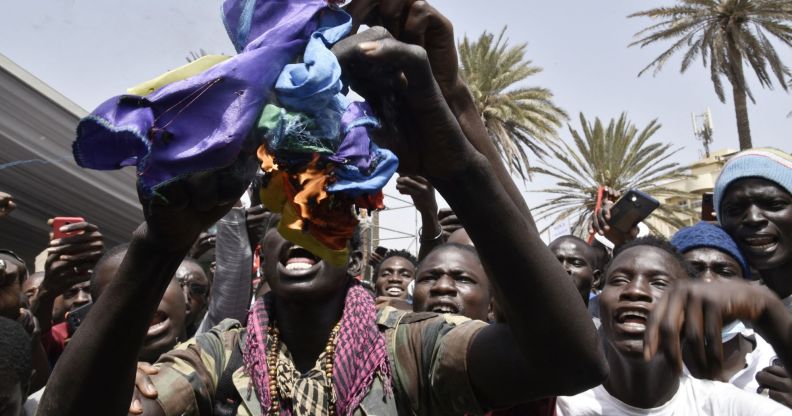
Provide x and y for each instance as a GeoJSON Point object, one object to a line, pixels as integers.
{"type": "Point", "coordinates": [519, 119]}
{"type": "Point", "coordinates": [618, 155]}
{"type": "Point", "coordinates": [725, 34]}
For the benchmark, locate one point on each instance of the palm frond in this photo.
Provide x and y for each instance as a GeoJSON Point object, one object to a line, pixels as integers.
{"type": "Point", "coordinates": [617, 155]}
{"type": "Point", "coordinates": [521, 121]}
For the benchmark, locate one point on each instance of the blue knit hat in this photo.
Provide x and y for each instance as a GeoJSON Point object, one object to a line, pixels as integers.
{"type": "Point", "coordinates": [767, 163]}
{"type": "Point", "coordinates": [709, 235]}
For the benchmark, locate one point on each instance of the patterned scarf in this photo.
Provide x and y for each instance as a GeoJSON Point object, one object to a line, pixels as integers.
{"type": "Point", "coordinates": [360, 353]}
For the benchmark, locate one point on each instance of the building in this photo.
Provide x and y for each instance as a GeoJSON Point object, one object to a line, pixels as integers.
{"type": "Point", "coordinates": [703, 174]}
{"type": "Point", "coordinates": [37, 126]}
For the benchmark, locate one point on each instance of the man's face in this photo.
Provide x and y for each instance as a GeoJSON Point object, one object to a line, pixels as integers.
{"type": "Point", "coordinates": [393, 276]}
{"type": "Point", "coordinates": [167, 327]}
{"type": "Point", "coordinates": [634, 283]}
{"type": "Point", "coordinates": [12, 273]}
{"type": "Point", "coordinates": [296, 274]}
{"type": "Point", "coordinates": [452, 280]}
{"type": "Point", "coordinates": [31, 285]}
{"type": "Point", "coordinates": [575, 256]}
{"type": "Point", "coordinates": [712, 264]}
{"type": "Point", "coordinates": [195, 285]}
{"type": "Point", "coordinates": [77, 295]}
{"type": "Point", "coordinates": [757, 213]}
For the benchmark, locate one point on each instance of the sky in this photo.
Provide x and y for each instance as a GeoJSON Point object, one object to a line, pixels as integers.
{"type": "Point", "coordinates": [90, 50]}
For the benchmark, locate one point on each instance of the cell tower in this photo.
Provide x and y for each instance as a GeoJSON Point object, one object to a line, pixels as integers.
{"type": "Point", "coordinates": [704, 131]}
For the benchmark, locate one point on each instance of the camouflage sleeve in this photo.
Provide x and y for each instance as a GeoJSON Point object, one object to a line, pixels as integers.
{"type": "Point", "coordinates": [429, 362]}
{"type": "Point", "coordinates": [188, 374]}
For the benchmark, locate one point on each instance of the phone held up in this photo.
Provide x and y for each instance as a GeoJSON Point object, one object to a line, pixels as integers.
{"type": "Point", "coordinates": [633, 207]}
{"type": "Point", "coordinates": [59, 222]}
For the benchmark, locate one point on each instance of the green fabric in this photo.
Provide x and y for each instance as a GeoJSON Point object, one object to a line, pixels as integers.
{"type": "Point", "coordinates": [291, 131]}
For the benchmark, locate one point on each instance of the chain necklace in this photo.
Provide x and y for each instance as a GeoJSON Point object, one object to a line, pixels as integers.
{"type": "Point", "coordinates": [272, 365]}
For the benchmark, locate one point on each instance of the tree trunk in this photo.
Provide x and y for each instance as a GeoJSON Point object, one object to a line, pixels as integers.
{"type": "Point", "coordinates": [740, 98]}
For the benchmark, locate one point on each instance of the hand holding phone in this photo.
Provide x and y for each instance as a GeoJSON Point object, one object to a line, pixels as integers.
{"type": "Point", "coordinates": [59, 222]}
{"type": "Point", "coordinates": [618, 221]}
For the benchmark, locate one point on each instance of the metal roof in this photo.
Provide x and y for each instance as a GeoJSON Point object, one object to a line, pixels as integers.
{"type": "Point", "coordinates": [37, 126]}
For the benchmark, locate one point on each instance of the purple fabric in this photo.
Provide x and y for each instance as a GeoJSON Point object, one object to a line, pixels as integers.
{"type": "Point", "coordinates": [199, 123]}
{"type": "Point", "coordinates": [355, 148]}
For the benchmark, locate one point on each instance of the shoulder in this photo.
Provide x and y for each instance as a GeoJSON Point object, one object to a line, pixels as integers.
{"type": "Point", "coordinates": [719, 398]}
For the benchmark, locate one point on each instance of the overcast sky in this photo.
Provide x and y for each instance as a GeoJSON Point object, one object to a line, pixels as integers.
{"type": "Point", "coordinates": [90, 50]}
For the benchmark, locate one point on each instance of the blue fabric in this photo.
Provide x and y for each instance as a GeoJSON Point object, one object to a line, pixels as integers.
{"type": "Point", "coordinates": [767, 163]}
{"type": "Point", "coordinates": [354, 181]}
{"type": "Point", "coordinates": [314, 85]}
{"type": "Point", "coordinates": [706, 235]}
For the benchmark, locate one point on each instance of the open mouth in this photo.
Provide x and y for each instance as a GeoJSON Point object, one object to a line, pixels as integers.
{"type": "Point", "coordinates": [634, 320]}
{"type": "Point", "coordinates": [297, 261]}
{"type": "Point", "coordinates": [444, 307]}
{"type": "Point", "coordinates": [761, 243]}
{"type": "Point", "coordinates": [159, 324]}
{"type": "Point", "coordinates": [394, 291]}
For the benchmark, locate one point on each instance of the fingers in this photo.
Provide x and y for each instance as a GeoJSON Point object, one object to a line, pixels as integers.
{"type": "Point", "coordinates": [713, 323]}
{"type": "Point", "coordinates": [143, 382]}
{"type": "Point", "coordinates": [694, 332]}
{"type": "Point", "coordinates": [778, 371]}
{"type": "Point", "coordinates": [769, 380]}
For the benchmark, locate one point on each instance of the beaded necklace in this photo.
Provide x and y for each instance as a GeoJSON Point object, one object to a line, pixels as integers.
{"type": "Point", "coordinates": [272, 364]}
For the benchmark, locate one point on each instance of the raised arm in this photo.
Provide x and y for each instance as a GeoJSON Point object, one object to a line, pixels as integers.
{"type": "Point", "coordinates": [538, 298]}
{"type": "Point", "coordinates": [102, 355]}
{"type": "Point", "coordinates": [231, 285]}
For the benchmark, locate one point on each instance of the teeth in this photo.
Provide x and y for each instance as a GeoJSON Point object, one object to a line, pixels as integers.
{"type": "Point", "coordinates": [759, 241]}
{"type": "Point", "coordinates": [634, 314]}
{"type": "Point", "coordinates": [297, 266]}
{"type": "Point", "coordinates": [394, 291]}
{"type": "Point", "coordinates": [443, 309]}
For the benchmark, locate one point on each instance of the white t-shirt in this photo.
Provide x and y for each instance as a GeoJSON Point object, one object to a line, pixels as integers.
{"type": "Point", "coordinates": [757, 360]}
{"type": "Point", "coordinates": [694, 397]}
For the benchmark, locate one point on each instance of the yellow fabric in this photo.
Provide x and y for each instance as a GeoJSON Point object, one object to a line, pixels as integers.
{"type": "Point", "coordinates": [183, 72]}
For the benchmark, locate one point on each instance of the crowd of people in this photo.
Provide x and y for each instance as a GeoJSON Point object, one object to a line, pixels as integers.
{"type": "Point", "coordinates": [210, 308]}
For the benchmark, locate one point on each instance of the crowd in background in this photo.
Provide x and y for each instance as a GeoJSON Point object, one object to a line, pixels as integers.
{"type": "Point", "coordinates": [210, 309]}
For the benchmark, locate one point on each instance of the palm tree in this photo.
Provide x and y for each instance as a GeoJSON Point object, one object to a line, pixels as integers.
{"type": "Point", "coordinates": [517, 118]}
{"type": "Point", "coordinates": [618, 156]}
{"type": "Point", "coordinates": [724, 33]}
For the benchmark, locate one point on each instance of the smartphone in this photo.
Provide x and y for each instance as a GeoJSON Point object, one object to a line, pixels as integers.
{"type": "Point", "coordinates": [633, 207]}
{"type": "Point", "coordinates": [707, 208]}
{"type": "Point", "coordinates": [76, 317]}
{"type": "Point", "coordinates": [59, 222]}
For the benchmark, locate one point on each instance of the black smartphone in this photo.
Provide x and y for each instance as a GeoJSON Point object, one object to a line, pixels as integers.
{"type": "Point", "coordinates": [633, 207]}
{"type": "Point", "coordinates": [75, 318]}
{"type": "Point", "coordinates": [707, 208]}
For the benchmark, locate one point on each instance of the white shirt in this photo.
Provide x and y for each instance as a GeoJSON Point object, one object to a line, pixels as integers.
{"type": "Point", "coordinates": [757, 360]}
{"type": "Point", "coordinates": [694, 397]}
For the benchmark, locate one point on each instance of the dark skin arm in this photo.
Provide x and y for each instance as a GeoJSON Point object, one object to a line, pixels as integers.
{"type": "Point", "coordinates": [107, 344]}
{"type": "Point", "coordinates": [417, 22]}
{"type": "Point", "coordinates": [695, 311]}
{"type": "Point", "coordinates": [501, 354]}
{"type": "Point", "coordinates": [422, 194]}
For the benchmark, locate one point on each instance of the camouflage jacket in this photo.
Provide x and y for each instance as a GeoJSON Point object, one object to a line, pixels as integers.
{"type": "Point", "coordinates": [427, 353]}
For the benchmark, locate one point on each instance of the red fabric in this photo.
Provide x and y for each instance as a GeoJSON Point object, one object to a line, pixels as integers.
{"type": "Point", "coordinates": [54, 341]}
